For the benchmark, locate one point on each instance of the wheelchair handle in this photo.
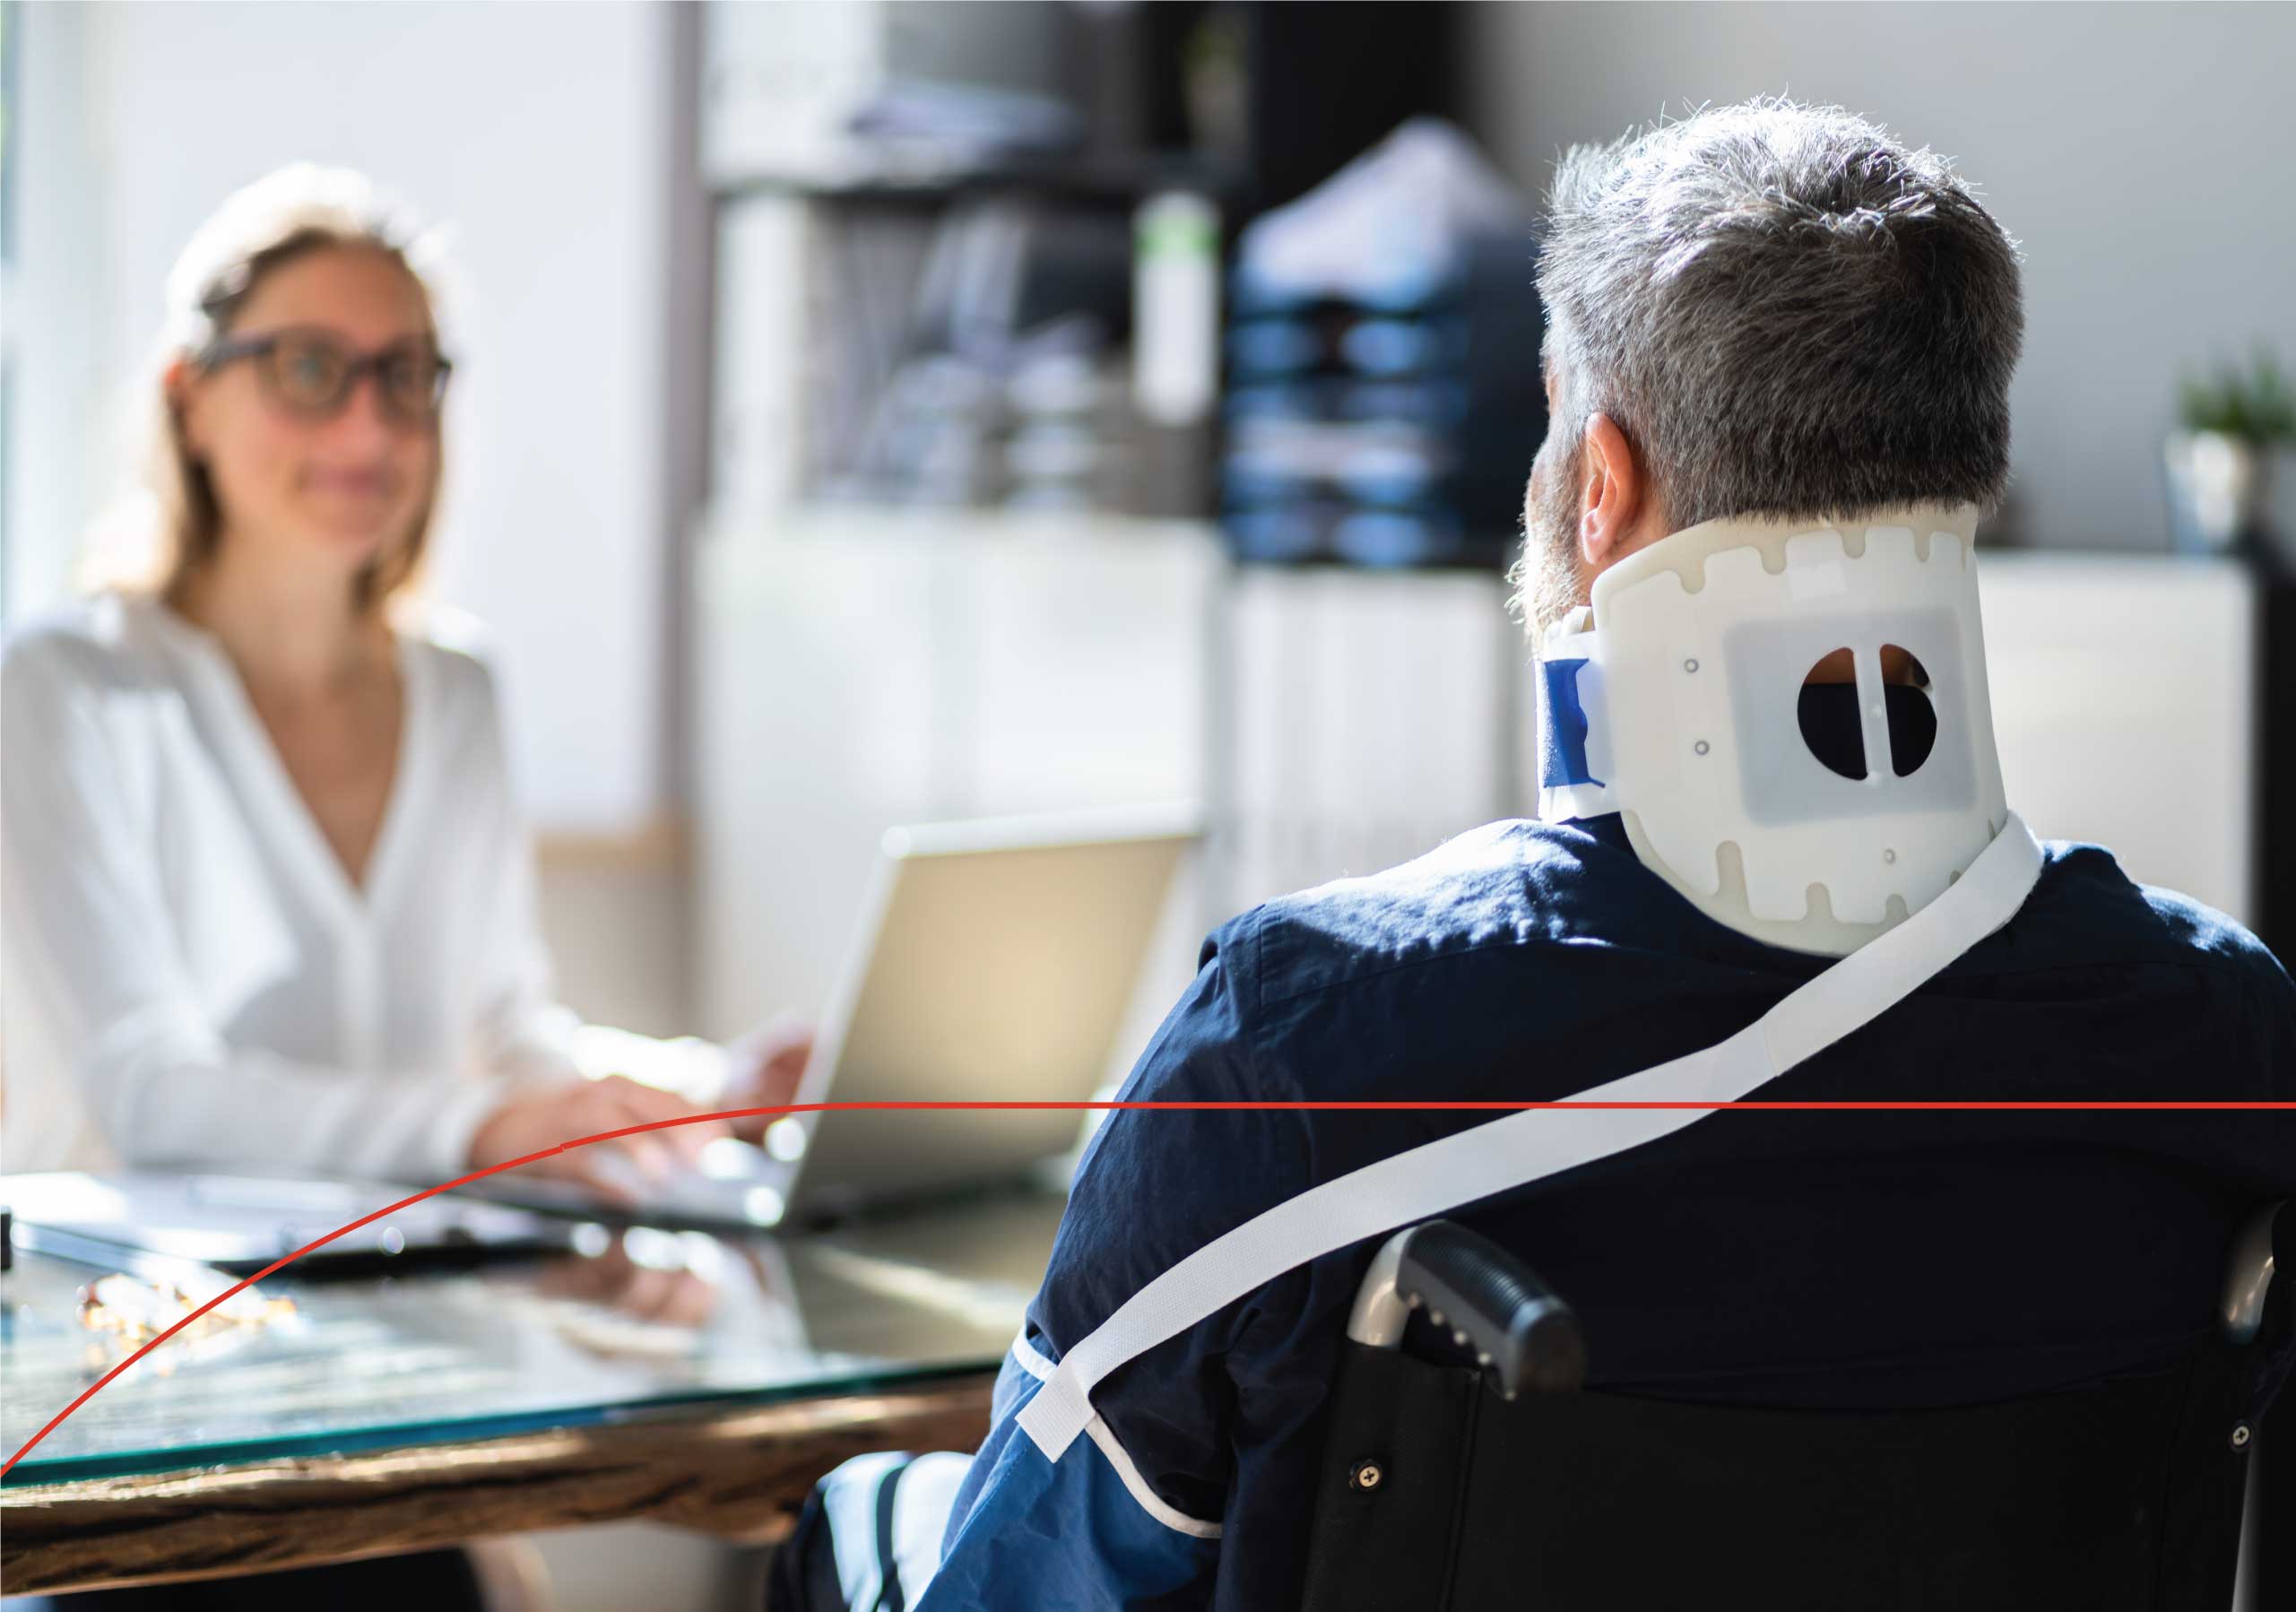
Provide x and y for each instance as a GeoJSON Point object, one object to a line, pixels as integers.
{"type": "Point", "coordinates": [2248, 1283]}
{"type": "Point", "coordinates": [1488, 1300]}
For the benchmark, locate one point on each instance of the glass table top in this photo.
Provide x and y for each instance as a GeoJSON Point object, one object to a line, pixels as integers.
{"type": "Point", "coordinates": [640, 1319]}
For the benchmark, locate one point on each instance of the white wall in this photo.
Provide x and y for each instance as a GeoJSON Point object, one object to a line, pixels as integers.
{"type": "Point", "coordinates": [541, 134]}
{"type": "Point", "coordinates": [55, 475]}
{"type": "Point", "coordinates": [2138, 152]}
{"type": "Point", "coordinates": [2087, 744]}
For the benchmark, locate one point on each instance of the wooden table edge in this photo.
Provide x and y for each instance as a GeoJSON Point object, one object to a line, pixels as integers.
{"type": "Point", "coordinates": [739, 1471]}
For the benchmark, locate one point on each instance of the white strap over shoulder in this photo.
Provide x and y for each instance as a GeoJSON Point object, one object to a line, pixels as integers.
{"type": "Point", "coordinates": [1522, 1148]}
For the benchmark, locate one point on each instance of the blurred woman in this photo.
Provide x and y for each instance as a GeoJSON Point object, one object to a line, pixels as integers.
{"type": "Point", "coordinates": [269, 900]}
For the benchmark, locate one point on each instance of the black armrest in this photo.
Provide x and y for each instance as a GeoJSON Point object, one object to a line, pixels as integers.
{"type": "Point", "coordinates": [1493, 1304]}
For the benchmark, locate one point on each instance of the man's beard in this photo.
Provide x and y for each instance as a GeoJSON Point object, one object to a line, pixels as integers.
{"type": "Point", "coordinates": [1547, 583]}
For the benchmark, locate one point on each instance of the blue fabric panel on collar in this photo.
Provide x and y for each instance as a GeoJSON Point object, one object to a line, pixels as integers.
{"type": "Point", "coordinates": [1563, 743]}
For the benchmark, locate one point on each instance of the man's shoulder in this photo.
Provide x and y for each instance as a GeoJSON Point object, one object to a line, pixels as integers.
{"type": "Point", "coordinates": [1521, 885]}
{"type": "Point", "coordinates": [1504, 885]}
{"type": "Point", "coordinates": [2087, 912]}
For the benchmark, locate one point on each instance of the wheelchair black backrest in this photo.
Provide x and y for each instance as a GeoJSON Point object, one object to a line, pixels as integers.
{"type": "Point", "coordinates": [1458, 1488]}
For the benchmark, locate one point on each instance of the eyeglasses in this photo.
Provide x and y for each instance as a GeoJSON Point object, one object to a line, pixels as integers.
{"type": "Point", "coordinates": [312, 375]}
{"type": "Point", "coordinates": [133, 1312]}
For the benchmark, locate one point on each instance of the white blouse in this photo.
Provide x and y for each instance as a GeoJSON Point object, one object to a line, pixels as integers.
{"type": "Point", "coordinates": [187, 972]}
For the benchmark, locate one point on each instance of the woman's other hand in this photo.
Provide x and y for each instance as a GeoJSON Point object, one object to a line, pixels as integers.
{"type": "Point", "coordinates": [535, 1119]}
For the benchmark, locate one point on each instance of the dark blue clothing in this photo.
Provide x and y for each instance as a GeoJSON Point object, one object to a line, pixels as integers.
{"type": "Point", "coordinates": [1802, 1259]}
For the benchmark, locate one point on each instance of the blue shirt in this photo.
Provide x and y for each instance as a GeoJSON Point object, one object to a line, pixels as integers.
{"type": "Point", "coordinates": [1899, 1259]}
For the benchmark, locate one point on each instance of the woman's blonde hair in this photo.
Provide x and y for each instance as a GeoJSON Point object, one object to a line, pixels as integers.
{"type": "Point", "coordinates": [176, 522]}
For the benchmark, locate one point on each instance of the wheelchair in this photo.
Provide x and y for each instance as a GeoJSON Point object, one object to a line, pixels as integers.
{"type": "Point", "coordinates": [1450, 1487]}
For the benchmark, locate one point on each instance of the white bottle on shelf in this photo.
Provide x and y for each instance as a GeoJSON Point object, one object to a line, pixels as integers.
{"type": "Point", "coordinates": [1175, 309]}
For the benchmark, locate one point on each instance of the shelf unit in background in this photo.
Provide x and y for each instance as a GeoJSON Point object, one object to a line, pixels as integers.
{"type": "Point", "coordinates": [1342, 720]}
{"type": "Point", "coordinates": [927, 692]}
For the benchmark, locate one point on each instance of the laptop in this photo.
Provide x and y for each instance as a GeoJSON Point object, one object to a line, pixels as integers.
{"type": "Point", "coordinates": [994, 960]}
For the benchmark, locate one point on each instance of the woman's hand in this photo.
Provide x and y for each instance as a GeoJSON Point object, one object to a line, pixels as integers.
{"type": "Point", "coordinates": [776, 1059]}
{"type": "Point", "coordinates": [545, 1117]}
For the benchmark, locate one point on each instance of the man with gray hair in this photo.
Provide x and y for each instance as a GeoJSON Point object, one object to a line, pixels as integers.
{"type": "Point", "coordinates": [1773, 857]}
{"type": "Point", "coordinates": [1765, 309]}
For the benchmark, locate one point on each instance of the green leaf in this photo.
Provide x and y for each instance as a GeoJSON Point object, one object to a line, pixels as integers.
{"type": "Point", "coordinates": [2259, 407]}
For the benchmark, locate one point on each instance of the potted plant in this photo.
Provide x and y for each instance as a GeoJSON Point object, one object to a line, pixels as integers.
{"type": "Point", "coordinates": [2236, 430]}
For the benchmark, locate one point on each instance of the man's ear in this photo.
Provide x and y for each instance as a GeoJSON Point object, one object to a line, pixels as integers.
{"type": "Point", "coordinates": [1612, 495]}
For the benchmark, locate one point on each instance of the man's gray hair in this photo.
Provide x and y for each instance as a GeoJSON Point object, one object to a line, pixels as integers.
{"type": "Point", "coordinates": [1787, 312]}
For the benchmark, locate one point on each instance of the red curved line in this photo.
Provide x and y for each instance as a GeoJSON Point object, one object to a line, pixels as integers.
{"type": "Point", "coordinates": [1216, 1106]}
